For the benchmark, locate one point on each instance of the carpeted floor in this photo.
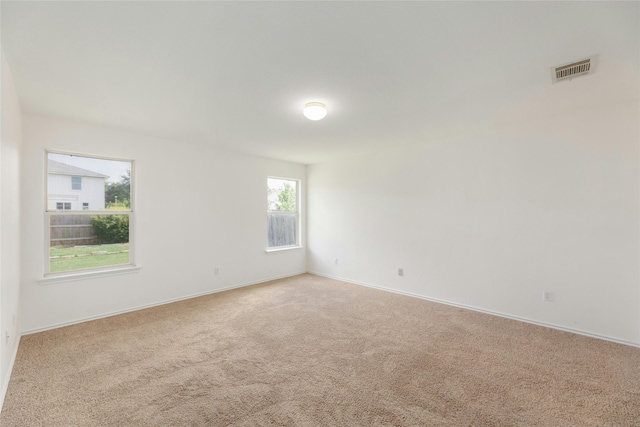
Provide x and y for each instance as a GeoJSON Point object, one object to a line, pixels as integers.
{"type": "Point", "coordinates": [309, 351]}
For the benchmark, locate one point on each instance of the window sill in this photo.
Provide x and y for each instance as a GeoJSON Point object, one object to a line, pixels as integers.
{"type": "Point", "coordinates": [284, 248]}
{"type": "Point", "coordinates": [73, 276]}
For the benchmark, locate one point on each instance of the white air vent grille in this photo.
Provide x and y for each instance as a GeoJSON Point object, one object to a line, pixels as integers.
{"type": "Point", "coordinates": [572, 70]}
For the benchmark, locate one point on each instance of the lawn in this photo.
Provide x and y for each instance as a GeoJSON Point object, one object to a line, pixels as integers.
{"type": "Point", "coordinates": [83, 257]}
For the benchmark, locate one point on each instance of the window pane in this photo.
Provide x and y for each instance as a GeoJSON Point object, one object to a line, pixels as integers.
{"type": "Point", "coordinates": [282, 195]}
{"type": "Point", "coordinates": [80, 242]}
{"type": "Point", "coordinates": [282, 229]}
{"type": "Point", "coordinates": [76, 183]}
{"type": "Point", "coordinates": [99, 183]}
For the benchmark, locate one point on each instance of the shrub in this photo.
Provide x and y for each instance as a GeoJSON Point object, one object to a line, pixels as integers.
{"type": "Point", "coordinates": [111, 228]}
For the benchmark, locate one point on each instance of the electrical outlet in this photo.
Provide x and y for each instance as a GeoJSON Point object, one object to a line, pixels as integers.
{"type": "Point", "coordinates": [216, 271]}
{"type": "Point", "coordinates": [6, 337]}
{"type": "Point", "coordinates": [335, 261]}
{"type": "Point", "coordinates": [547, 296]}
{"type": "Point", "coordinates": [401, 272]}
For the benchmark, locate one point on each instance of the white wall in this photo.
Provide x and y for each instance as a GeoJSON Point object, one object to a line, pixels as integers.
{"type": "Point", "coordinates": [91, 191]}
{"type": "Point", "coordinates": [9, 224]}
{"type": "Point", "coordinates": [197, 209]}
{"type": "Point", "coordinates": [492, 219]}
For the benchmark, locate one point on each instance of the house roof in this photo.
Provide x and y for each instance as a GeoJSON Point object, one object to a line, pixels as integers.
{"type": "Point", "coordinates": [58, 168]}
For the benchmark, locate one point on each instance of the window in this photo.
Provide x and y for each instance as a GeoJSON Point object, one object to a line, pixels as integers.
{"type": "Point", "coordinates": [93, 234]}
{"type": "Point", "coordinates": [283, 213]}
{"type": "Point", "coordinates": [76, 183]}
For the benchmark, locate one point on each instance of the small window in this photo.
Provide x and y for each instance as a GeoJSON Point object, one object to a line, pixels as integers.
{"type": "Point", "coordinates": [92, 234]}
{"type": "Point", "coordinates": [76, 183]}
{"type": "Point", "coordinates": [282, 213]}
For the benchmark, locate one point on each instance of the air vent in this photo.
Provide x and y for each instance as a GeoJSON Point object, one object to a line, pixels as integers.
{"type": "Point", "coordinates": [573, 70]}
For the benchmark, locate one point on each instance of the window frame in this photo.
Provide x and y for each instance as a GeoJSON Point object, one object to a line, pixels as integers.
{"type": "Point", "coordinates": [298, 216]}
{"type": "Point", "coordinates": [54, 277]}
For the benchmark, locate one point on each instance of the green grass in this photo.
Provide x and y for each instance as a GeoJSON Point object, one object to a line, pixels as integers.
{"type": "Point", "coordinates": [90, 259]}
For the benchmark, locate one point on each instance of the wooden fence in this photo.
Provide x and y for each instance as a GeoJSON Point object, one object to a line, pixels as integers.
{"type": "Point", "coordinates": [72, 230]}
{"type": "Point", "coordinates": [283, 229]}
{"type": "Point", "coordinates": [76, 230]}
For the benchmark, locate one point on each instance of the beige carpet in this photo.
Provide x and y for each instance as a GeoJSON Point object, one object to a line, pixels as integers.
{"type": "Point", "coordinates": [309, 351]}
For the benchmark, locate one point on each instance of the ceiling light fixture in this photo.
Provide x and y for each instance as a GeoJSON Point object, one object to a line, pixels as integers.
{"type": "Point", "coordinates": [315, 110]}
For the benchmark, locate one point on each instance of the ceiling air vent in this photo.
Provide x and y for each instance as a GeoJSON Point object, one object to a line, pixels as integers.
{"type": "Point", "coordinates": [573, 70]}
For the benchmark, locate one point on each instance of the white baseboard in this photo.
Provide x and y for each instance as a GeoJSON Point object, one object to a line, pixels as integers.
{"type": "Point", "coordinates": [481, 310]}
{"type": "Point", "coordinates": [155, 304]}
{"type": "Point", "coordinates": [5, 383]}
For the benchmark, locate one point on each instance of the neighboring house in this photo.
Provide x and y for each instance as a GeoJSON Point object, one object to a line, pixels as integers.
{"type": "Point", "coordinates": [74, 188]}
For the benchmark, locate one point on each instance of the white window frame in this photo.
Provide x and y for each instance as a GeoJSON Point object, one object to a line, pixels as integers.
{"type": "Point", "coordinates": [298, 243]}
{"type": "Point", "coordinates": [70, 275]}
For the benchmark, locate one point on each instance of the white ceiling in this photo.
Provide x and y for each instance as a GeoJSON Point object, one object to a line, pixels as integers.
{"type": "Point", "coordinates": [235, 75]}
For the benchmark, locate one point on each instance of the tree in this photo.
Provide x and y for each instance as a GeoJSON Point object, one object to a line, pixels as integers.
{"type": "Point", "coordinates": [114, 228]}
{"type": "Point", "coordinates": [126, 178]}
{"type": "Point", "coordinates": [287, 199]}
{"type": "Point", "coordinates": [118, 192]}
{"type": "Point", "coordinates": [111, 228]}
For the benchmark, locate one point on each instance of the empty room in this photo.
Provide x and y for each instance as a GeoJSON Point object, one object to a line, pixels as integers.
{"type": "Point", "coordinates": [320, 213]}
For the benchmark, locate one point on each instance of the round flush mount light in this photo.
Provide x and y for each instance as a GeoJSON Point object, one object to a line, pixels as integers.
{"type": "Point", "coordinates": [315, 110]}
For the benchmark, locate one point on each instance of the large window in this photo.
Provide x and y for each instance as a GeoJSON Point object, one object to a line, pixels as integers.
{"type": "Point", "coordinates": [283, 213]}
{"type": "Point", "coordinates": [89, 210]}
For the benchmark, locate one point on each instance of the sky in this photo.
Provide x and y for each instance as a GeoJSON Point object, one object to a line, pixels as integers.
{"type": "Point", "coordinates": [114, 168]}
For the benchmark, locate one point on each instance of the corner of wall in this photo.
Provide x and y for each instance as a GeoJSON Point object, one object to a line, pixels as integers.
{"type": "Point", "coordinates": [10, 234]}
